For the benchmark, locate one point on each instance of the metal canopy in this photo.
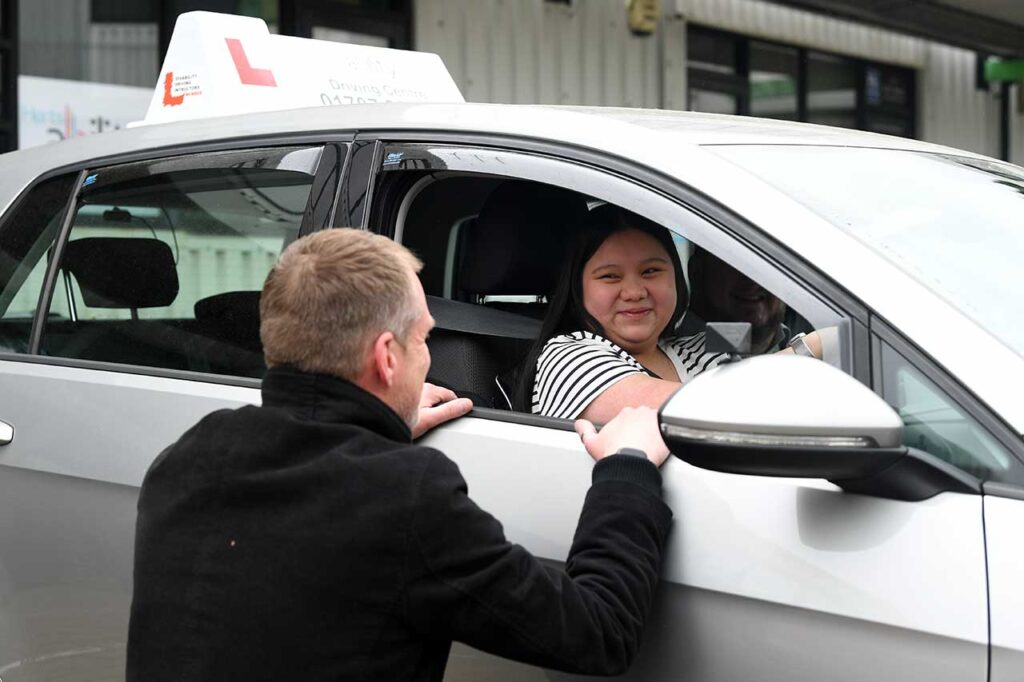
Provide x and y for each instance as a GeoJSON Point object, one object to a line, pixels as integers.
{"type": "Point", "coordinates": [993, 27]}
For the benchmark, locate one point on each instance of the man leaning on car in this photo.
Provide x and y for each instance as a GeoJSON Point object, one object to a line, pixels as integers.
{"type": "Point", "coordinates": [309, 537]}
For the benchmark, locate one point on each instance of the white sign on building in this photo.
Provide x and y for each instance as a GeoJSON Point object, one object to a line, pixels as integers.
{"type": "Point", "coordinates": [52, 109]}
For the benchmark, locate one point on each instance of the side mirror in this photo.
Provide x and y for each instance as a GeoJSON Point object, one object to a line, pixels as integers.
{"type": "Point", "coordinates": [783, 415]}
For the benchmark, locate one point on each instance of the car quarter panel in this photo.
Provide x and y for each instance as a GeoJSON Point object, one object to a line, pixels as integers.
{"type": "Point", "coordinates": [68, 489]}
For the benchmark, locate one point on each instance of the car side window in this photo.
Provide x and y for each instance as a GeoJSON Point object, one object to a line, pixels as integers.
{"type": "Point", "coordinates": [164, 262]}
{"type": "Point", "coordinates": [933, 422]}
{"type": "Point", "coordinates": [493, 250]}
{"type": "Point", "coordinates": [26, 240]}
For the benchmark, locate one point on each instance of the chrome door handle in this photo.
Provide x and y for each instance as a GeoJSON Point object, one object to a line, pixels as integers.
{"type": "Point", "coordinates": [6, 433]}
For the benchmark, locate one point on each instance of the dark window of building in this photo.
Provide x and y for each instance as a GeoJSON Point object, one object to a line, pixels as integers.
{"type": "Point", "coordinates": [380, 23]}
{"type": "Point", "coordinates": [831, 90]}
{"type": "Point", "coordinates": [774, 81]}
{"type": "Point", "coordinates": [889, 97]}
{"type": "Point", "coordinates": [716, 72]}
{"type": "Point", "coordinates": [732, 74]}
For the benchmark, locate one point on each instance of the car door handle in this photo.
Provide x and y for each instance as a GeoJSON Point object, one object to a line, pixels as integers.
{"type": "Point", "coordinates": [6, 433]}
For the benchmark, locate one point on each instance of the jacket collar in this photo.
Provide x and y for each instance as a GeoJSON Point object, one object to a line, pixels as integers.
{"type": "Point", "coordinates": [326, 398]}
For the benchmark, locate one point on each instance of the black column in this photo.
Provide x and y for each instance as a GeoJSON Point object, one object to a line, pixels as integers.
{"type": "Point", "coordinates": [8, 75]}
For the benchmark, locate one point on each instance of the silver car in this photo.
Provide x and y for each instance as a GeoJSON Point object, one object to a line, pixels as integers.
{"type": "Point", "coordinates": [820, 532]}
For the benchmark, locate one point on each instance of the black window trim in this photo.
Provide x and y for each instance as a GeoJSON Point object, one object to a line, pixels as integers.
{"type": "Point", "coordinates": [961, 396]}
{"type": "Point", "coordinates": [35, 338]}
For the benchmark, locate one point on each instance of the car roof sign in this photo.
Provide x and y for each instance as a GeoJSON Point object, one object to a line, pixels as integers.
{"type": "Point", "coordinates": [221, 64]}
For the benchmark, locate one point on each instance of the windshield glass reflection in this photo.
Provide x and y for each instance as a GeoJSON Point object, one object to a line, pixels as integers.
{"type": "Point", "coordinates": [955, 224]}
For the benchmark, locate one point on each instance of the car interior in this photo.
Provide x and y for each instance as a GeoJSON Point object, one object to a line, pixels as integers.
{"type": "Point", "coordinates": [150, 274]}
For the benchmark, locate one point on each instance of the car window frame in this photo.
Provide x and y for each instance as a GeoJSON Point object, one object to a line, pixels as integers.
{"type": "Point", "coordinates": [319, 214]}
{"type": "Point", "coordinates": [728, 228]}
{"type": "Point", "coordinates": [1009, 483]}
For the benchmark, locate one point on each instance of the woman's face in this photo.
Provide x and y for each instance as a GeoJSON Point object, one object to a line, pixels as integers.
{"type": "Point", "coordinates": [629, 287]}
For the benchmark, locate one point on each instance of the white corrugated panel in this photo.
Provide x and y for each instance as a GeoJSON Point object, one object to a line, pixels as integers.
{"type": "Point", "coordinates": [952, 111]}
{"type": "Point", "coordinates": [51, 36]}
{"type": "Point", "coordinates": [124, 54]}
{"type": "Point", "coordinates": [531, 51]}
{"type": "Point", "coordinates": [761, 19]}
{"type": "Point", "coordinates": [1017, 124]}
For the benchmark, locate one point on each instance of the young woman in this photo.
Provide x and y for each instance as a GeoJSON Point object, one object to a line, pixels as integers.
{"type": "Point", "coordinates": [608, 339]}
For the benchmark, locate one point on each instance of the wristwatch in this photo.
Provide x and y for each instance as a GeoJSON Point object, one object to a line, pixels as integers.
{"type": "Point", "coordinates": [799, 345]}
{"type": "Point", "coordinates": [631, 452]}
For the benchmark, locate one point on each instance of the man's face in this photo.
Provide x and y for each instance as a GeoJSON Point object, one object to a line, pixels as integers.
{"type": "Point", "coordinates": [414, 359]}
{"type": "Point", "coordinates": [733, 297]}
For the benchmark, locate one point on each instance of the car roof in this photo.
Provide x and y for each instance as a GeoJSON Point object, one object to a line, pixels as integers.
{"type": "Point", "coordinates": [602, 128]}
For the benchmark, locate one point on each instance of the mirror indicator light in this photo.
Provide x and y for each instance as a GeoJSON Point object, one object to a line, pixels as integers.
{"type": "Point", "coordinates": [765, 440]}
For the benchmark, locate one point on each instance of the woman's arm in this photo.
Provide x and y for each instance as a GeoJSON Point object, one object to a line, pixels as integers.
{"type": "Point", "coordinates": [633, 391]}
{"type": "Point", "coordinates": [640, 389]}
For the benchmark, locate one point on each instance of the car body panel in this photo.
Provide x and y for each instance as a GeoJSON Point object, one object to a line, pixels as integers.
{"type": "Point", "coordinates": [1004, 525]}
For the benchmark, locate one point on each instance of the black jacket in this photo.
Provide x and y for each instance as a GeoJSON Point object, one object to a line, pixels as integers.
{"type": "Point", "coordinates": [310, 539]}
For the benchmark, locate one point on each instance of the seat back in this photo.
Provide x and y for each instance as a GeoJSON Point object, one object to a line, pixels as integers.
{"type": "Point", "coordinates": [518, 243]}
{"type": "Point", "coordinates": [230, 326]}
{"type": "Point", "coordinates": [118, 272]}
{"type": "Point", "coordinates": [122, 273]}
{"type": "Point", "coordinates": [515, 247]}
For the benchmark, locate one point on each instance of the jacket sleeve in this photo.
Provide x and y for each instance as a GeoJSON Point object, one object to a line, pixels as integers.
{"type": "Point", "coordinates": [466, 582]}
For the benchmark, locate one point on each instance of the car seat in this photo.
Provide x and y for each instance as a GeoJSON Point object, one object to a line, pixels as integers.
{"type": "Point", "coordinates": [515, 247]}
{"type": "Point", "coordinates": [123, 273]}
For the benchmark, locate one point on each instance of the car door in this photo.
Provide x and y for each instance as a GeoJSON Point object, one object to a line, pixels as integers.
{"type": "Point", "coordinates": [947, 421]}
{"type": "Point", "coordinates": [128, 310]}
{"type": "Point", "coordinates": [765, 578]}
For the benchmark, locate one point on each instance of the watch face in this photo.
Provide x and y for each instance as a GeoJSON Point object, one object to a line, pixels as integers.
{"type": "Point", "coordinates": [632, 452]}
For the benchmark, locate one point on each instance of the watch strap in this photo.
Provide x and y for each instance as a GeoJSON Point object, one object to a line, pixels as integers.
{"type": "Point", "coordinates": [800, 347]}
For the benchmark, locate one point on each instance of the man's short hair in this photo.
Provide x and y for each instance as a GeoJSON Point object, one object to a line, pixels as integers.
{"type": "Point", "coordinates": [330, 295]}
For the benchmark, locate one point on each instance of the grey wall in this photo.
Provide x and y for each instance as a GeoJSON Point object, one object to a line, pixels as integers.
{"type": "Point", "coordinates": [58, 40]}
{"type": "Point", "coordinates": [531, 51]}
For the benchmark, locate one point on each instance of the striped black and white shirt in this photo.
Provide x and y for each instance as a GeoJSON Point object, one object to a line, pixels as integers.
{"type": "Point", "coordinates": [573, 369]}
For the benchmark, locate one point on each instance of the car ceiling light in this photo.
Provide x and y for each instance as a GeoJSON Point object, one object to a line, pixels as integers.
{"type": "Point", "coordinates": [765, 440]}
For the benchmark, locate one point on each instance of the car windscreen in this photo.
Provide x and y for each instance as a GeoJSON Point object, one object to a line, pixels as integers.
{"type": "Point", "coordinates": [956, 224]}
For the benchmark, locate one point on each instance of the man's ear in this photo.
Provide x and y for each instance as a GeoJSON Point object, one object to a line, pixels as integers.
{"type": "Point", "coordinates": [384, 360]}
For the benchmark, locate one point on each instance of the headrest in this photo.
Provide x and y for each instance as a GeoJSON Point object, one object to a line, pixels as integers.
{"type": "Point", "coordinates": [117, 272]}
{"type": "Point", "coordinates": [239, 307]}
{"type": "Point", "coordinates": [517, 244]}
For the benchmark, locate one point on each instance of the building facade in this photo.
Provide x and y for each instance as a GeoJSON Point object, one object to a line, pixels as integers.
{"type": "Point", "coordinates": [751, 57]}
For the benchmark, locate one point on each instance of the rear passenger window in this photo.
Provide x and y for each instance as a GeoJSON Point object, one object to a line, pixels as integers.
{"type": "Point", "coordinates": [164, 262]}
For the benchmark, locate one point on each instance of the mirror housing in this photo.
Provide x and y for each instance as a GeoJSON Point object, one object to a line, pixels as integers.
{"type": "Point", "coordinates": [791, 416]}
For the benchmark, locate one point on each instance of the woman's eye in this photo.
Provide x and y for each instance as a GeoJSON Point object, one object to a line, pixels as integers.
{"type": "Point", "coordinates": [651, 271]}
{"type": "Point", "coordinates": [608, 276]}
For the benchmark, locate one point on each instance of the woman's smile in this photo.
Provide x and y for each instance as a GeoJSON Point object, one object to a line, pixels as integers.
{"type": "Point", "coordinates": [636, 313]}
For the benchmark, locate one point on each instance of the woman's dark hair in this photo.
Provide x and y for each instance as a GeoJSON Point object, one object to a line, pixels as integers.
{"type": "Point", "coordinates": [566, 313]}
